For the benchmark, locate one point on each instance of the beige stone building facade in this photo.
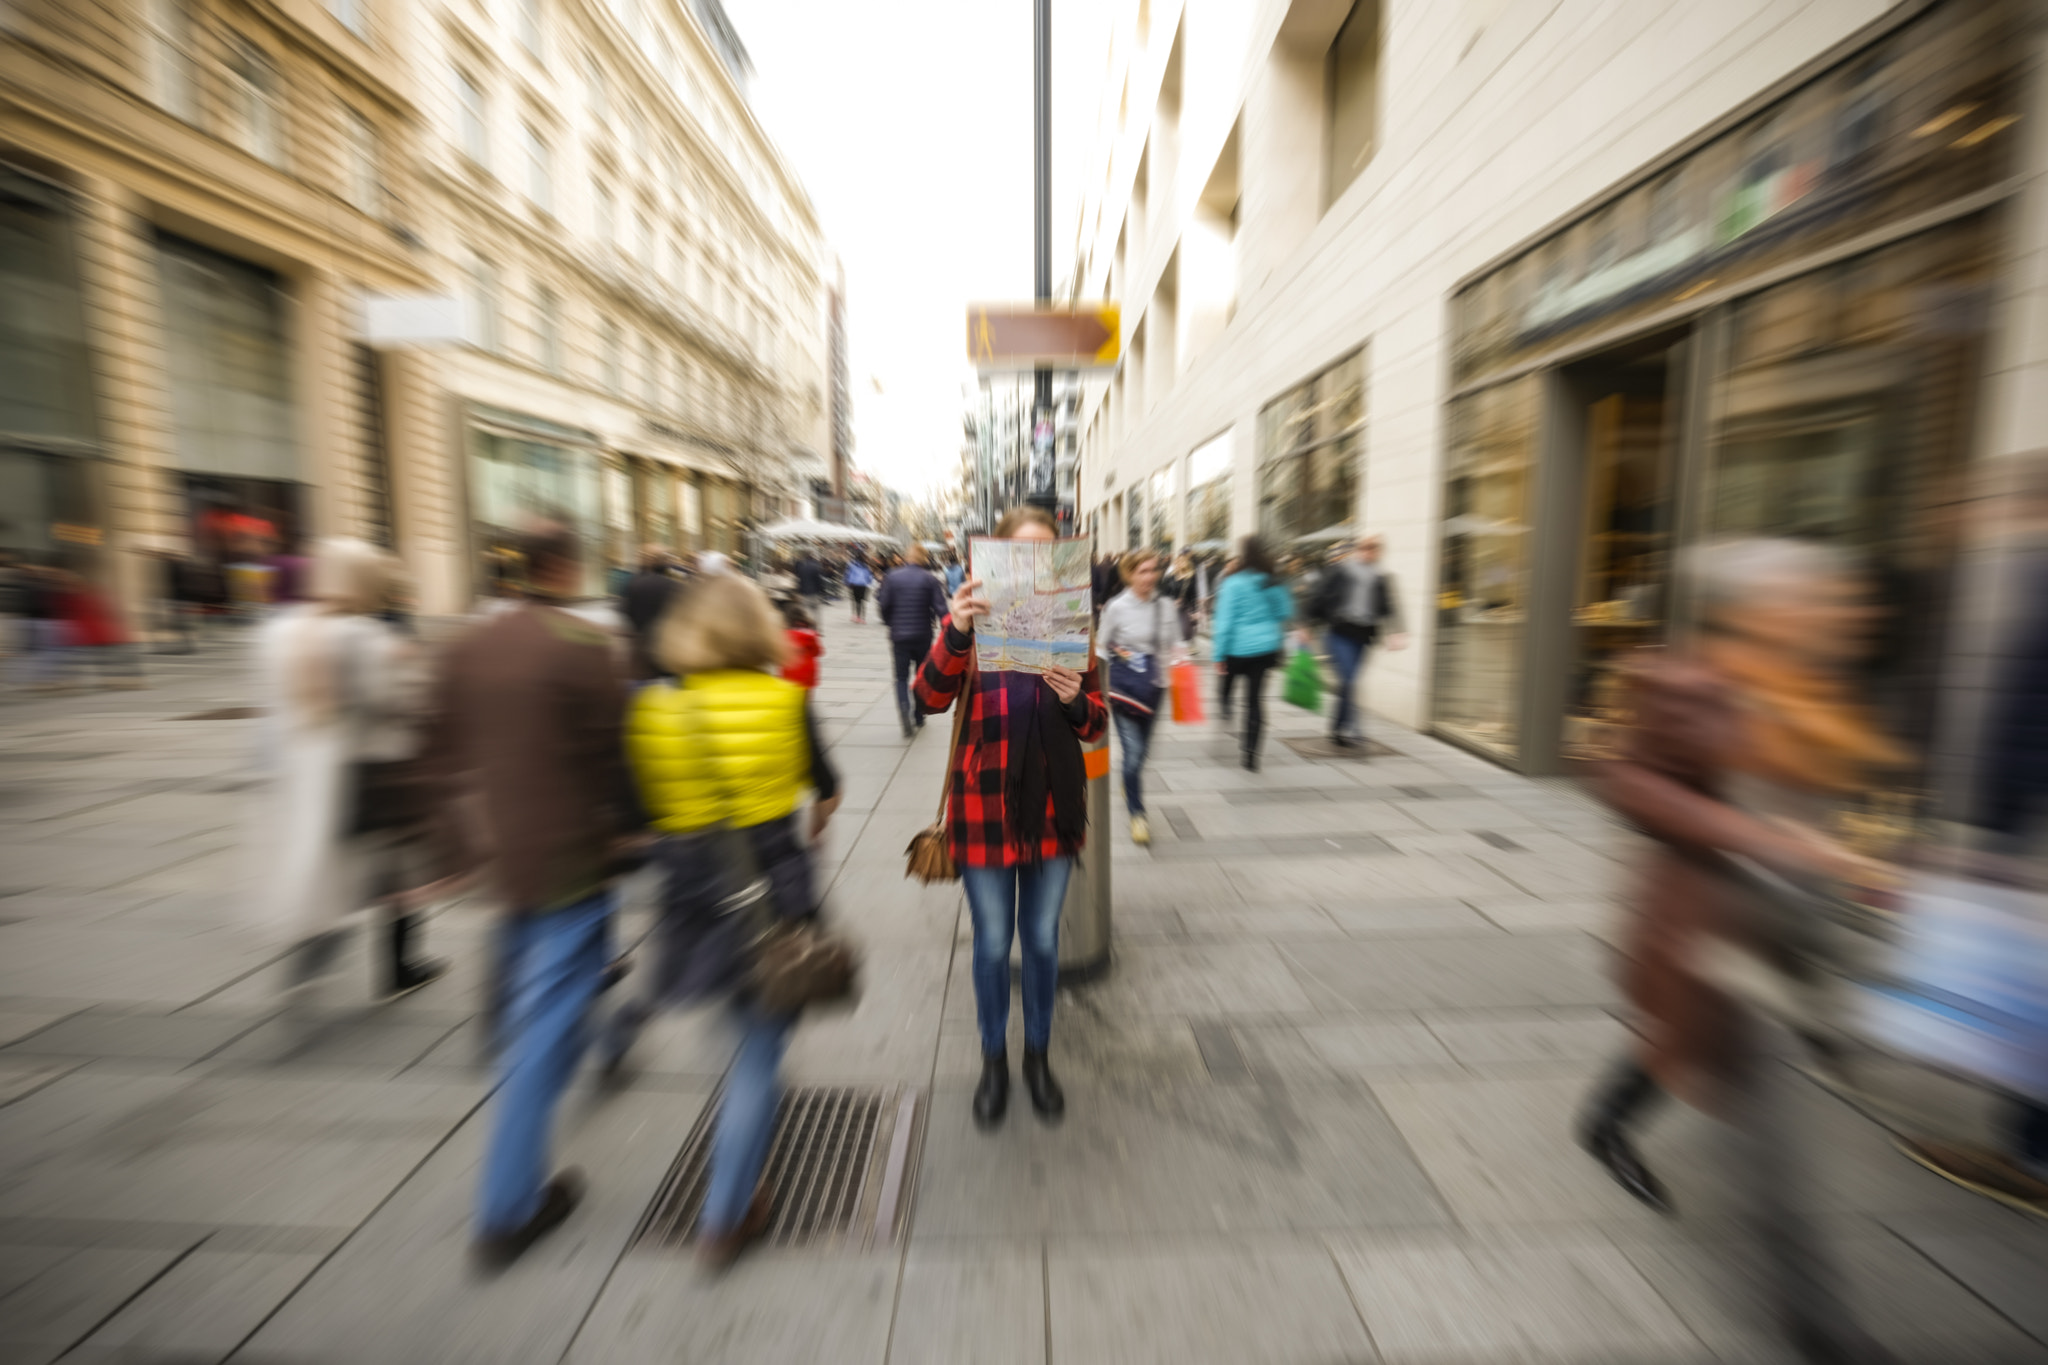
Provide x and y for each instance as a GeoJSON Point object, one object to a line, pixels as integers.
{"type": "Point", "coordinates": [196, 194]}
{"type": "Point", "coordinates": [1547, 293]}
{"type": "Point", "coordinates": [203, 197]}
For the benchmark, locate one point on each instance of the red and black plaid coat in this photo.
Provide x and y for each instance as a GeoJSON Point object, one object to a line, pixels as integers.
{"type": "Point", "coordinates": [978, 827]}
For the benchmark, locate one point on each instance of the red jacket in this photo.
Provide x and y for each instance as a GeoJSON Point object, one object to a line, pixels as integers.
{"type": "Point", "coordinates": [978, 828]}
{"type": "Point", "coordinates": [90, 618]}
{"type": "Point", "coordinates": [805, 650]}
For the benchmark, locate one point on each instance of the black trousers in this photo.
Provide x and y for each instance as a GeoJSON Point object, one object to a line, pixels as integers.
{"type": "Point", "coordinates": [907, 655]}
{"type": "Point", "coordinates": [1253, 669]}
{"type": "Point", "coordinates": [860, 603]}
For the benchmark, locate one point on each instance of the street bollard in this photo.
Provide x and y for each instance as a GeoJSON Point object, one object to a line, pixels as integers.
{"type": "Point", "coordinates": [1084, 922]}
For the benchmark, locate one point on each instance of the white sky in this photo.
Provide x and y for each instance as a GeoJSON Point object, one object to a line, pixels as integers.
{"type": "Point", "coordinates": [909, 122]}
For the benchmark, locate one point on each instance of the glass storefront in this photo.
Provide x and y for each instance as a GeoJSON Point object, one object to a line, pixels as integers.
{"type": "Point", "coordinates": [1309, 444]}
{"type": "Point", "coordinates": [1160, 500]}
{"type": "Point", "coordinates": [228, 353]}
{"type": "Point", "coordinates": [524, 469]}
{"type": "Point", "coordinates": [1482, 604]}
{"type": "Point", "coordinates": [1208, 500]}
{"type": "Point", "coordinates": [1833, 402]}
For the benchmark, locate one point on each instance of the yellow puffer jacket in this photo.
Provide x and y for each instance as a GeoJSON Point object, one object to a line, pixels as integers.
{"type": "Point", "coordinates": [726, 746]}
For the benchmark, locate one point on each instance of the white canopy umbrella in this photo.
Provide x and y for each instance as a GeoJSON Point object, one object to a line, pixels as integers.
{"type": "Point", "coordinates": [798, 528]}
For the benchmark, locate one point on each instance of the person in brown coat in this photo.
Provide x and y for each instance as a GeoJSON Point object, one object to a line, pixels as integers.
{"type": "Point", "coordinates": [1739, 747]}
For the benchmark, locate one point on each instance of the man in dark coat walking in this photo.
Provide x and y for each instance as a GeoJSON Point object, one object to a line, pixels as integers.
{"type": "Point", "coordinates": [911, 602]}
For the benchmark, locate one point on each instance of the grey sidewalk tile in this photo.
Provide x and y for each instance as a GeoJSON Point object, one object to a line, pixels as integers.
{"type": "Point", "coordinates": [1468, 813]}
{"type": "Point", "coordinates": [1201, 980]}
{"type": "Point", "coordinates": [206, 1304]}
{"type": "Point", "coordinates": [962, 1301]}
{"type": "Point", "coordinates": [69, 1295]}
{"type": "Point", "coordinates": [1478, 1038]}
{"type": "Point", "coordinates": [1222, 1059]}
{"type": "Point", "coordinates": [1475, 1302]}
{"type": "Point", "coordinates": [348, 1040]}
{"type": "Point", "coordinates": [1375, 1046]}
{"type": "Point", "coordinates": [1423, 918]}
{"type": "Point", "coordinates": [1326, 878]}
{"type": "Point", "coordinates": [1169, 1158]}
{"type": "Point", "coordinates": [1158, 1050]}
{"type": "Point", "coordinates": [1239, 821]}
{"type": "Point", "coordinates": [2006, 1270]}
{"type": "Point", "coordinates": [771, 1309]}
{"type": "Point", "coordinates": [889, 1035]}
{"type": "Point", "coordinates": [411, 1259]}
{"type": "Point", "coordinates": [1501, 1151]}
{"type": "Point", "coordinates": [23, 1076]}
{"type": "Point", "coordinates": [1177, 1307]}
{"type": "Point", "coordinates": [1187, 885]}
{"type": "Point", "coordinates": [1531, 915]}
{"type": "Point", "coordinates": [1448, 973]}
{"type": "Point", "coordinates": [1278, 921]}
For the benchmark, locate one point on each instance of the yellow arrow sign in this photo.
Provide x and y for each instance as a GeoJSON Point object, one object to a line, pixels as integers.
{"type": "Point", "coordinates": [1023, 336]}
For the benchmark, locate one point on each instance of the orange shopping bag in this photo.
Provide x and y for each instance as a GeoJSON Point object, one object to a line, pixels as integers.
{"type": "Point", "coordinates": [1187, 693]}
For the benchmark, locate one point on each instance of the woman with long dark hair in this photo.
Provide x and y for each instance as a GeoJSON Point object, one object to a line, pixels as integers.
{"type": "Point", "coordinates": [1016, 816]}
{"type": "Point", "coordinates": [1252, 612]}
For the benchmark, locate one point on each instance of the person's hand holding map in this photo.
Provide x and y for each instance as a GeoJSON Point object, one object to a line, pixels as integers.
{"type": "Point", "coordinates": [1034, 603]}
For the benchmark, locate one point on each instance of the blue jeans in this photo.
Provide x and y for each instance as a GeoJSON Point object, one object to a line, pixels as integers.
{"type": "Point", "coordinates": [1003, 901]}
{"type": "Point", "coordinates": [1134, 733]}
{"type": "Point", "coordinates": [1349, 657]}
{"type": "Point", "coordinates": [746, 1121]}
{"type": "Point", "coordinates": [553, 964]}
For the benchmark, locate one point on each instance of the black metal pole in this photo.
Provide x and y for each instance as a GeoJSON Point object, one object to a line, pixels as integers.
{"type": "Point", "coordinates": [1043, 489]}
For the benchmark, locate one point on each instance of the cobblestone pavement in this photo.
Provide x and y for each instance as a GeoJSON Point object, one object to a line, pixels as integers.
{"type": "Point", "coordinates": [1318, 1111]}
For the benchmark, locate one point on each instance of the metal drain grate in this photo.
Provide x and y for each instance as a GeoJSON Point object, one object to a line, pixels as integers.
{"type": "Point", "coordinates": [840, 1163]}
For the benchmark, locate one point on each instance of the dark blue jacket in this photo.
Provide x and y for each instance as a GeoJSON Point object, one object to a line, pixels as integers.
{"type": "Point", "coordinates": [911, 601]}
{"type": "Point", "coordinates": [810, 577]}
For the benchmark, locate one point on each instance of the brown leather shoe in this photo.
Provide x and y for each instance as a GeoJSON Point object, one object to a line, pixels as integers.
{"type": "Point", "coordinates": [717, 1251]}
{"type": "Point", "coordinates": [1981, 1172]}
{"type": "Point", "coordinates": [557, 1199]}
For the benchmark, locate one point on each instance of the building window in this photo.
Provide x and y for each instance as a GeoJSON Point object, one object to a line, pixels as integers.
{"type": "Point", "coordinates": [643, 239]}
{"type": "Point", "coordinates": [483, 304]}
{"type": "Point", "coordinates": [363, 184]}
{"type": "Point", "coordinates": [609, 360]}
{"type": "Point", "coordinates": [529, 25]}
{"type": "Point", "coordinates": [353, 14]}
{"type": "Point", "coordinates": [682, 382]}
{"type": "Point", "coordinates": [256, 122]}
{"type": "Point", "coordinates": [474, 128]}
{"type": "Point", "coordinates": [540, 173]}
{"type": "Point", "coordinates": [1352, 71]}
{"type": "Point", "coordinates": [1161, 503]}
{"type": "Point", "coordinates": [1208, 500]}
{"type": "Point", "coordinates": [169, 25]}
{"type": "Point", "coordinates": [595, 97]}
{"type": "Point", "coordinates": [547, 329]}
{"type": "Point", "coordinates": [650, 374]}
{"type": "Point", "coordinates": [1309, 442]}
{"type": "Point", "coordinates": [604, 213]}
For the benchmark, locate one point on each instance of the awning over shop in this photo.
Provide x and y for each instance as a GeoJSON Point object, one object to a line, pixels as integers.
{"type": "Point", "coordinates": [798, 528]}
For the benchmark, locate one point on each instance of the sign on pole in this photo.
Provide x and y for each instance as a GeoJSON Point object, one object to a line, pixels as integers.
{"type": "Point", "coordinates": [1024, 336]}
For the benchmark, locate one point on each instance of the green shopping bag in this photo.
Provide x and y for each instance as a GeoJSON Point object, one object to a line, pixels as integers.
{"type": "Point", "coordinates": [1304, 682]}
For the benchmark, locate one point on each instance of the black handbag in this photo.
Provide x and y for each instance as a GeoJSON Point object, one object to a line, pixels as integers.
{"type": "Point", "coordinates": [788, 964]}
{"type": "Point", "coordinates": [1136, 680]}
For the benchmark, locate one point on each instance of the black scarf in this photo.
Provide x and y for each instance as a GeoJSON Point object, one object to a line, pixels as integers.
{"type": "Point", "coordinates": [1045, 756]}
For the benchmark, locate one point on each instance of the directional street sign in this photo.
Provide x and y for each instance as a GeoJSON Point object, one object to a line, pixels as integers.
{"type": "Point", "coordinates": [1023, 337]}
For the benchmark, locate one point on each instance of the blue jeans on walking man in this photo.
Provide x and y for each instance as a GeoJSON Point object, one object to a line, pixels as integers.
{"type": "Point", "coordinates": [554, 966]}
{"type": "Point", "coordinates": [1023, 901]}
{"type": "Point", "coordinates": [1349, 657]}
{"type": "Point", "coordinates": [1134, 733]}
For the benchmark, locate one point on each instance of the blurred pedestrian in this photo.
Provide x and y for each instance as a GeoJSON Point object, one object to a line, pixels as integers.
{"type": "Point", "coordinates": [805, 646]}
{"type": "Point", "coordinates": [1252, 611]}
{"type": "Point", "coordinates": [777, 581]}
{"type": "Point", "coordinates": [727, 746]}
{"type": "Point", "coordinates": [1356, 601]}
{"type": "Point", "coordinates": [911, 603]}
{"type": "Point", "coordinates": [1738, 747]}
{"type": "Point", "coordinates": [810, 584]}
{"type": "Point", "coordinates": [859, 578]}
{"type": "Point", "coordinates": [96, 639]}
{"type": "Point", "coordinates": [1177, 585]}
{"type": "Point", "coordinates": [1016, 818]}
{"type": "Point", "coordinates": [41, 628]}
{"type": "Point", "coordinates": [529, 711]}
{"type": "Point", "coordinates": [1141, 633]}
{"type": "Point", "coordinates": [645, 597]}
{"type": "Point", "coordinates": [956, 572]}
{"type": "Point", "coordinates": [345, 697]}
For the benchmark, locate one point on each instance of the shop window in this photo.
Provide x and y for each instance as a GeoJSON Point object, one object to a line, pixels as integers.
{"type": "Point", "coordinates": [1134, 523]}
{"type": "Point", "coordinates": [529, 25]}
{"type": "Point", "coordinates": [255, 112]}
{"type": "Point", "coordinates": [1208, 502]}
{"type": "Point", "coordinates": [228, 355]}
{"type": "Point", "coordinates": [1309, 443]}
{"type": "Point", "coordinates": [1482, 599]}
{"type": "Point", "coordinates": [1160, 501]}
{"type": "Point", "coordinates": [1352, 97]}
{"type": "Point", "coordinates": [515, 479]}
{"type": "Point", "coordinates": [45, 366]}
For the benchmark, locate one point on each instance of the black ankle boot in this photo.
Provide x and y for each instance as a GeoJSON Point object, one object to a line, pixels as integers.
{"type": "Point", "coordinates": [992, 1096]}
{"type": "Point", "coordinates": [1047, 1099]}
{"type": "Point", "coordinates": [1603, 1132]}
{"type": "Point", "coordinates": [405, 974]}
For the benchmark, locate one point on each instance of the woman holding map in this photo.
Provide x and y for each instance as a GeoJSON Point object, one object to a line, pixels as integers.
{"type": "Point", "coordinates": [1016, 816]}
